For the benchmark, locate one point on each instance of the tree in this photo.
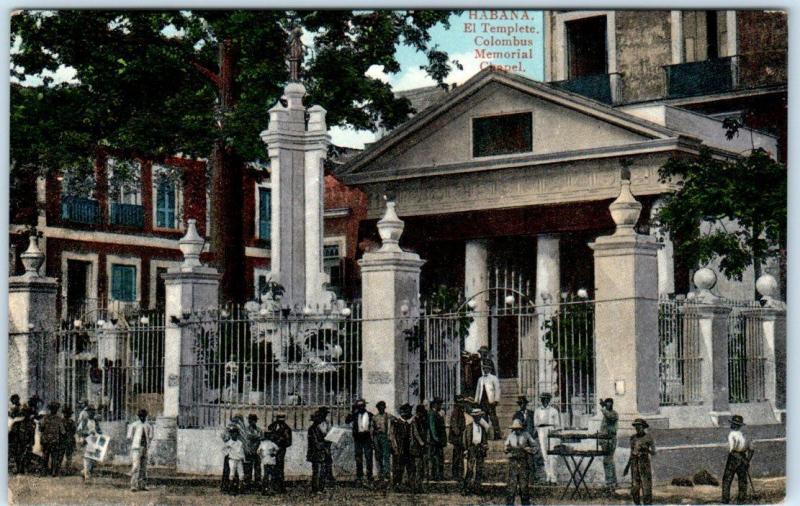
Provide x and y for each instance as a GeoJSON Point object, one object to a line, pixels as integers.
{"type": "Point", "coordinates": [153, 84]}
{"type": "Point", "coordinates": [727, 209]}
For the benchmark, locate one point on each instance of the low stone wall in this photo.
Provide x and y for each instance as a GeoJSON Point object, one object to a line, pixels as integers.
{"type": "Point", "coordinates": [754, 413]}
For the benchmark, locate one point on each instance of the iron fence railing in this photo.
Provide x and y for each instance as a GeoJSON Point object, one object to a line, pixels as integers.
{"type": "Point", "coordinates": [746, 355]}
{"type": "Point", "coordinates": [127, 215]}
{"type": "Point", "coordinates": [80, 210]}
{"type": "Point", "coordinates": [679, 353]}
{"type": "Point", "coordinates": [249, 360]}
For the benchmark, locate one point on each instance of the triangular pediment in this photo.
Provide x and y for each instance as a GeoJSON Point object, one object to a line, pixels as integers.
{"type": "Point", "coordinates": [442, 135]}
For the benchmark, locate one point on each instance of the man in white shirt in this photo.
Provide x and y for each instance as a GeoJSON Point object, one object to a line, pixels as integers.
{"type": "Point", "coordinates": [547, 418]}
{"type": "Point", "coordinates": [140, 434]}
{"type": "Point", "coordinates": [738, 462]}
{"type": "Point", "coordinates": [475, 449]}
{"type": "Point", "coordinates": [487, 395]}
{"type": "Point", "coordinates": [362, 424]}
{"type": "Point", "coordinates": [520, 446]}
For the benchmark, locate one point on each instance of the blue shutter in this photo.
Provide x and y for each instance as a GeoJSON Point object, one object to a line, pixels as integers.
{"type": "Point", "coordinates": [165, 204]}
{"type": "Point", "coordinates": [123, 283]}
{"type": "Point", "coordinates": [264, 213]}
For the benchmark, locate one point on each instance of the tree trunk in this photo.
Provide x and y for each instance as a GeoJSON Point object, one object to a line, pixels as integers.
{"type": "Point", "coordinates": [227, 231]}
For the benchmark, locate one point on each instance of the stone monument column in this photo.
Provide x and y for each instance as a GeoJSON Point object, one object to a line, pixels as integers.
{"type": "Point", "coordinates": [713, 322]}
{"type": "Point", "coordinates": [189, 288]}
{"type": "Point", "coordinates": [390, 287]}
{"type": "Point", "coordinates": [31, 316]}
{"type": "Point", "coordinates": [476, 280]}
{"type": "Point", "coordinates": [548, 291]}
{"type": "Point", "coordinates": [626, 315]}
{"type": "Point", "coordinates": [296, 150]}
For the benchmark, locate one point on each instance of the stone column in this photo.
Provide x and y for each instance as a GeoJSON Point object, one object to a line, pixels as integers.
{"type": "Point", "coordinates": [773, 321]}
{"type": "Point", "coordinates": [713, 323]}
{"type": "Point", "coordinates": [548, 291]}
{"type": "Point", "coordinates": [297, 149]}
{"type": "Point", "coordinates": [31, 316]}
{"type": "Point", "coordinates": [476, 280]}
{"type": "Point", "coordinates": [665, 256]}
{"type": "Point", "coordinates": [189, 288]}
{"type": "Point", "coordinates": [626, 315]}
{"type": "Point", "coordinates": [390, 288]}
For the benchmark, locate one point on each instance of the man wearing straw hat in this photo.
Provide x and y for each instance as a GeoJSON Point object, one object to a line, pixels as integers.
{"type": "Point", "coordinates": [475, 448]}
{"type": "Point", "coordinates": [520, 446]}
{"type": "Point", "coordinates": [547, 418]}
{"type": "Point", "coordinates": [738, 462]}
{"type": "Point", "coordinates": [642, 447]}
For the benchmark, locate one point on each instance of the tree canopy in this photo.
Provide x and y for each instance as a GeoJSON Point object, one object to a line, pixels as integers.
{"type": "Point", "coordinates": [152, 84]}
{"type": "Point", "coordinates": [727, 209]}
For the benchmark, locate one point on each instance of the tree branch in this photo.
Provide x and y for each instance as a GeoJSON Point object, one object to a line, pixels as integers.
{"type": "Point", "coordinates": [214, 78]}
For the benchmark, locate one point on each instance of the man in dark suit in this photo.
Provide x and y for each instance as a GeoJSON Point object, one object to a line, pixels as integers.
{"type": "Point", "coordinates": [438, 439]}
{"type": "Point", "coordinates": [282, 436]}
{"type": "Point", "coordinates": [363, 427]}
{"type": "Point", "coordinates": [400, 438]}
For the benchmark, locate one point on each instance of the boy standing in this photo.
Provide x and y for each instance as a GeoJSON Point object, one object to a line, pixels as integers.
{"type": "Point", "coordinates": [51, 429]}
{"type": "Point", "coordinates": [281, 436]}
{"type": "Point", "coordinates": [234, 450]}
{"type": "Point", "coordinates": [642, 447]}
{"type": "Point", "coordinates": [267, 453]}
{"type": "Point", "coordinates": [381, 426]}
{"type": "Point", "coordinates": [140, 434]}
{"type": "Point", "coordinates": [68, 441]}
{"type": "Point", "coordinates": [738, 463]}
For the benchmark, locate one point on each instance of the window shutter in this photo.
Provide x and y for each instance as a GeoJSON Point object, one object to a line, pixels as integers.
{"type": "Point", "coordinates": [264, 213]}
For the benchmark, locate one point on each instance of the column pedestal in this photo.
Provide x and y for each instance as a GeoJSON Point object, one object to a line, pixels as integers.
{"type": "Point", "coordinates": [713, 320]}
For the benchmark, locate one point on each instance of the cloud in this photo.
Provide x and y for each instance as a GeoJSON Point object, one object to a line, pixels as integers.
{"type": "Point", "coordinates": [350, 137]}
{"type": "Point", "coordinates": [377, 72]}
{"type": "Point", "coordinates": [415, 77]}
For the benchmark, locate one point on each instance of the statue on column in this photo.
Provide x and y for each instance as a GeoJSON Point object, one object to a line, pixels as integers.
{"type": "Point", "coordinates": [296, 51]}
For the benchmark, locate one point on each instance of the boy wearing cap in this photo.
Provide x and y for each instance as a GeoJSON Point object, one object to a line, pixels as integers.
{"type": "Point", "coordinates": [282, 437]}
{"type": "Point", "coordinates": [475, 449]}
{"type": "Point", "coordinates": [381, 424]}
{"type": "Point", "coordinates": [520, 446]}
{"type": "Point", "coordinates": [642, 447]}
{"type": "Point", "coordinates": [738, 462]}
{"type": "Point", "coordinates": [362, 424]}
{"type": "Point", "coordinates": [234, 450]}
{"type": "Point", "coordinates": [140, 434]}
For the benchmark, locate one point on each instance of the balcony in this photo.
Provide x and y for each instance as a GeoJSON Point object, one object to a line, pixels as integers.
{"type": "Point", "coordinates": [80, 210]}
{"type": "Point", "coordinates": [600, 87]}
{"type": "Point", "coordinates": [127, 215]}
{"type": "Point", "coordinates": [721, 75]}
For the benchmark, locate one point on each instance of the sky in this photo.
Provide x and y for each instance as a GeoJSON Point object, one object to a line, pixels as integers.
{"type": "Point", "coordinates": [470, 33]}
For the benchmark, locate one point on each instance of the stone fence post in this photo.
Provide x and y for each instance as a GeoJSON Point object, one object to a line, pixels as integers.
{"type": "Point", "coordinates": [713, 323]}
{"type": "Point", "coordinates": [189, 288]}
{"type": "Point", "coordinates": [773, 322]}
{"type": "Point", "coordinates": [31, 319]}
{"type": "Point", "coordinates": [626, 315]}
{"type": "Point", "coordinates": [390, 288]}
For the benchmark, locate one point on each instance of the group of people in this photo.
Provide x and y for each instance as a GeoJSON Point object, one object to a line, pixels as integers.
{"type": "Point", "coordinates": [56, 444]}
{"type": "Point", "coordinates": [254, 458]}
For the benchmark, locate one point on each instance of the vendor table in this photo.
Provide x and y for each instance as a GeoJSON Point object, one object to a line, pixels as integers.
{"type": "Point", "coordinates": [577, 460]}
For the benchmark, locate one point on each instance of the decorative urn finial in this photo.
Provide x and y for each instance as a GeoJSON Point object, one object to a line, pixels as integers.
{"type": "Point", "coordinates": [191, 245]}
{"type": "Point", "coordinates": [705, 279]}
{"type": "Point", "coordinates": [767, 287]}
{"type": "Point", "coordinates": [390, 228]}
{"type": "Point", "coordinates": [625, 209]}
{"type": "Point", "coordinates": [32, 258]}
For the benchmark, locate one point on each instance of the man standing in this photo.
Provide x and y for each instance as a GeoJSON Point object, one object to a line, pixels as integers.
{"type": "Point", "coordinates": [520, 446]}
{"type": "Point", "coordinates": [608, 427]}
{"type": "Point", "coordinates": [402, 462]}
{"type": "Point", "coordinates": [361, 421]}
{"type": "Point", "coordinates": [52, 432]}
{"type": "Point", "coordinates": [642, 447]}
{"type": "Point", "coordinates": [251, 439]}
{"type": "Point", "coordinates": [282, 437]}
{"type": "Point", "coordinates": [738, 462]}
{"type": "Point", "coordinates": [317, 452]}
{"type": "Point", "coordinates": [475, 446]}
{"type": "Point", "coordinates": [420, 439]}
{"type": "Point", "coordinates": [458, 424]}
{"type": "Point", "coordinates": [86, 428]}
{"type": "Point", "coordinates": [140, 434]}
{"type": "Point", "coordinates": [526, 419]}
{"type": "Point", "coordinates": [381, 426]}
{"type": "Point", "coordinates": [547, 418]}
{"type": "Point", "coordinates": [438, 439]}
{"type": "Point", "coordinates": [487, 395]}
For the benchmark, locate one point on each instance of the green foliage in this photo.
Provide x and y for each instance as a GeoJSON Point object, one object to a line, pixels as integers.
{"type": "Point", "coordinates": [142, 78]}
{"type": "Point", "coordinates": [749, 191]}
{"type": "Point", "coordinates": [569, 333]}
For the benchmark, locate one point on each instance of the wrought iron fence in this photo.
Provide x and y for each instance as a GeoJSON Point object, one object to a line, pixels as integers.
{"type": "Point", "coordinates": [746, 356]}
{"type": "Point", "coordinates": [247, 360]}
{"type": "Point", "coordinates": [679, 353]}
{"type": "Point", "coordinates": [115, 364]}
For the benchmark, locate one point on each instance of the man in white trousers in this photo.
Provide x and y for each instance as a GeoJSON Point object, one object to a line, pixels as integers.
{"type": "Point", "coordinates": [487, 395]}
{"type": "Point", "coordinates": [140, 434]}
{"type": "Point", "coordinates": [547, 418]}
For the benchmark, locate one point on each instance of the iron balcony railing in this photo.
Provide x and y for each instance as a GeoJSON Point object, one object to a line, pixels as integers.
{"type": "Point", "coordinates": [127, 215]}
{"type": "Point", "coordinates": [80, 210]}
{"type": "Point", "coordinates": [600, 87]}
{"type": "Point", "coordinates": [720, 75]}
